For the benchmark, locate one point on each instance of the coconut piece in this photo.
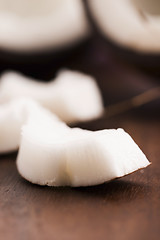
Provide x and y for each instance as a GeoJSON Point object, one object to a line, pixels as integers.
{"type": "Point", "coordinates": [13, 115]}
{"type": "Point", "coordinates": [41, 24]}
{"type": "Point", "coordinates": [72, 96]}
{"type": "Point", "coordinates": [76, 157]}
{"type": "Point", "coordinates": [131, 23]}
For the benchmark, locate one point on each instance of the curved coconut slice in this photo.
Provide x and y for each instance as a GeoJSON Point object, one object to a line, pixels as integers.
{"type": "Point", "coordinates": [132, 23]}
{"type": "Point", "coordinates": [72, 96]}
{"type": "Point", "coordinates": [28, 25]}
{"type": "Point", "coordinates": [76, 157]}
{"type": "Point", "coordinates": [13, 115]}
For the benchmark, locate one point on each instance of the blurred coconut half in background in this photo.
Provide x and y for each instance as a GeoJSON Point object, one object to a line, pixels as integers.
{"type": "Point", "coordinates": [132, 25]}
{"type": "Point", "coordinates": [30, 27]}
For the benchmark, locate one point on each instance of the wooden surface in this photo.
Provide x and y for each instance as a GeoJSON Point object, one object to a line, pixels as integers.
{"type": "Point", "coordinates": [124, 209]}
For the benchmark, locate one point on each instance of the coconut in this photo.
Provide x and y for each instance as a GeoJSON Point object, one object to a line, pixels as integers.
{"type": "Point", "coordinates": [13, 115]}
{"type": "Point", "coordinates": [132, 25]}
{"type": "Point", "coordinates": [33, 26]}
{"type": "Point", "coordinates": [41, 29]}
{"type": "Point", "coordinates": [72, 96]}
{"type": "Point", "coordinates": [76, 157]}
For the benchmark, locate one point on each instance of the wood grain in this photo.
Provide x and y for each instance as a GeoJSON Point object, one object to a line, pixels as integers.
{"type": "Point", "coordinates": [128, 208]}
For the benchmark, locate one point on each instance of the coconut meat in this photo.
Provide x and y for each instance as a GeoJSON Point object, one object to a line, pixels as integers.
{"type": "Point", "coordinates": [16, 113]}
{"type": "Point", "coordinates": [72, 96]}
{"type": "Point", "coordinates": [51, 153]}
{"type": "Point", "coordinates": [131, 23]}
{"type": "Point", "coordinates": [76, 157]}
{"type": "Point", "coordinates": [27, 25]}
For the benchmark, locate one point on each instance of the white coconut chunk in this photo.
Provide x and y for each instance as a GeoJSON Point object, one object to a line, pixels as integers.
{"type": "Point", "coordinates": [131, 23]}
{"type": "Point", "coordinates": [27, 25]}
{"type": "Point", "coordinates": [72, 96]}
{"type": "Point", "coordinates": [13, 115]}
{"type": "Point", "coordinates": [76, 157]}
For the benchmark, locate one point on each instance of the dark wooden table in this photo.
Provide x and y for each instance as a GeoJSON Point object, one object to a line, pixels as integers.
{"type": "Point", "coordinates": [124, 209]}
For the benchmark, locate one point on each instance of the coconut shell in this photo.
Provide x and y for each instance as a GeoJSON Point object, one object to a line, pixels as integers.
{"type": "Point", "coordinates": [41, 65]}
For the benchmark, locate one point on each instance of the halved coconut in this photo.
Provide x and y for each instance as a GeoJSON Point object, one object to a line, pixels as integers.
{"type": "Point", "coordinates": [76, 157]}
{"type": "Point", "coordinates": [27, 26]}
{"type": "Point", "coordinates": [72, 96]}
{"type": "Point", "coordinates": [131, 23]}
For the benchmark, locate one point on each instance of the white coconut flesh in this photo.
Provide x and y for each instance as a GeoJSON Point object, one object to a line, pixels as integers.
{"type": "Point", "coordinates": [27, 25]}
{"type": "Point", "coordinates": [131, 23]}
{"type": "Point", "coordinates": [72, 96]}
{"type": "Point", "coordinates": [76, 157]}
{"type": "Point", "coordinates": [16, 113]}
